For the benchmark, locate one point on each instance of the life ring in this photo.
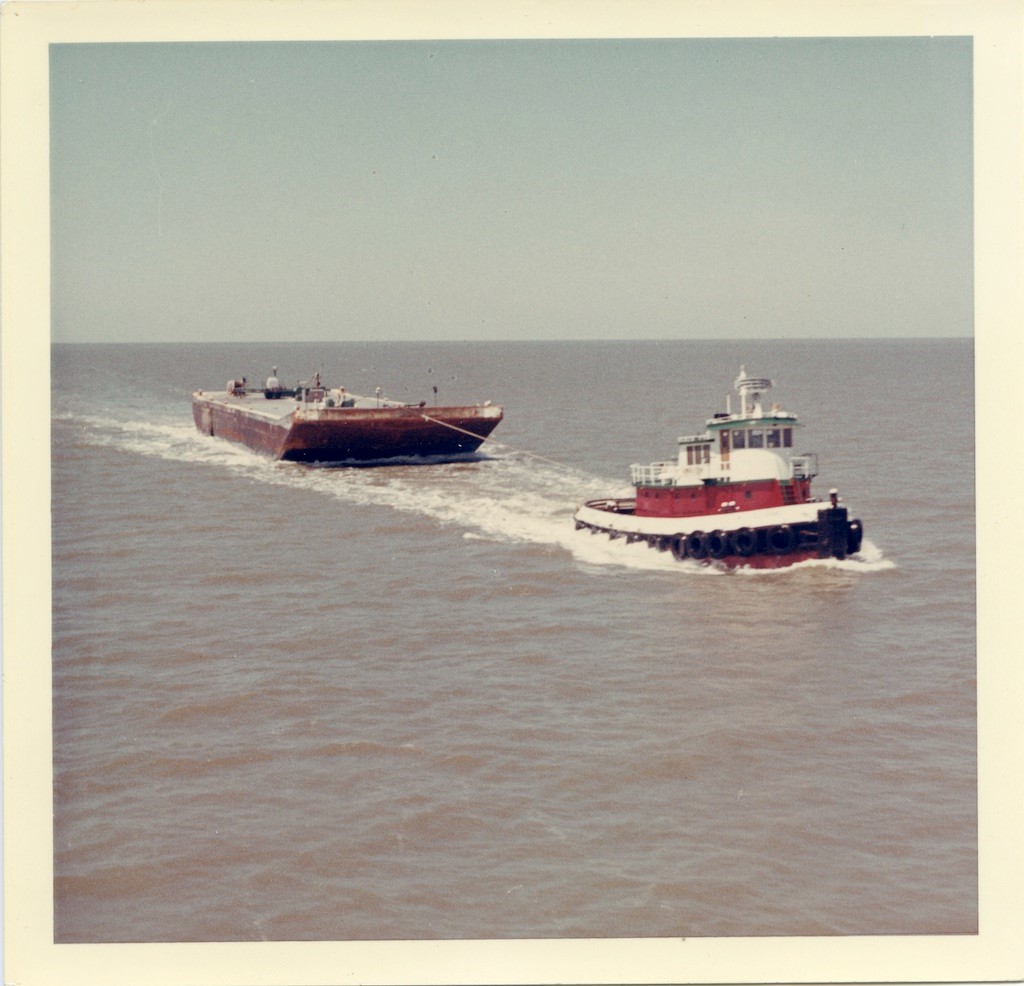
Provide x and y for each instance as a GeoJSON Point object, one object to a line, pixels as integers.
{"type": "Point", "coordinates": [718, 544]}
{"type": "Point", "coordinates": [677, 546]}
{"type": "Point", "coordinates": [697, 544]}
{"type": "Point", "coordinates": [744, 542]}
{"type": "Point", "coordinates": [781, 539]}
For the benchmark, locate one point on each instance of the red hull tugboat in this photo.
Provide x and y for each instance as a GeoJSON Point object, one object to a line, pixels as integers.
{"type": "Point", "coordinates": [315, 424]}
{"type": "Point", "coordinates": [736, 495]}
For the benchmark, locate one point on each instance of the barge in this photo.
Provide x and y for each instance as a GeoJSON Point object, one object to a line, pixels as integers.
{"type": "Point", "coordinates": [313, 423]}
{"type": "Point", "coordinates": [736, 495]}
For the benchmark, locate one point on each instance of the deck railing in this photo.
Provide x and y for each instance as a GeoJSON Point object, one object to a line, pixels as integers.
{"type": "Point", "coordinates": [655, 474]}
{"type": "Point", "coordinates": [804, 466]}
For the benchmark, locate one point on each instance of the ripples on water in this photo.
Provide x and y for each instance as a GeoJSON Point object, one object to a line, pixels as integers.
{"type": "Point", "coordinates": [414, 702]}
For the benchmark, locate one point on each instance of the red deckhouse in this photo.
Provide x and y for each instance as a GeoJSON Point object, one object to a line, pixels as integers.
{"type": "Point", "coordinates": [736, 493]}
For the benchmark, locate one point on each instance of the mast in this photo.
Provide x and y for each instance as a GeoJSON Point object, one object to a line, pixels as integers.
{"type": "Point", "coordinates": [751, 389]}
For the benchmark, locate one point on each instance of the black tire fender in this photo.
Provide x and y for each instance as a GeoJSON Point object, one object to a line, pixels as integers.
{"type": "Point", "coordinates": [718, 544]}
{"type": "Point", "coordinates": [744, 542]}
{"type": "Point", "coordinates": [854, 537]}
{"type": "Point", "coordinates": [697, 544]}
{"type": "Point", "coordinates": [781, 539]}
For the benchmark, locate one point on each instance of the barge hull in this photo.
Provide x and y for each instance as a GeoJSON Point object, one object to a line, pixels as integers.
{"type": "Point", "coordinates": [363, 436]}
{"type": "Point", "coordinates": [337, 435]}
{"type": "Point", "coordinates": [218, 420]}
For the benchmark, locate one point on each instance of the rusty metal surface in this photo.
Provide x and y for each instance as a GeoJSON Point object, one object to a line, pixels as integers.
{"type": "Point", "coordinates": [305, 433]}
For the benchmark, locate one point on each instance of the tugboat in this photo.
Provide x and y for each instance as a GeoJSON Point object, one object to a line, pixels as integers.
{"type": "Point", "coordinates": [735, 496]}
{"type": "Point", "coordinates": [312, 423]}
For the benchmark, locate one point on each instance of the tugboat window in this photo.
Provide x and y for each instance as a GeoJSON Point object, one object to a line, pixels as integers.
{"type": "Point", "coordinates": [773, 438]}
{"type": "Point", "coordinates": [756, 438]}
{"type": "Point", "coordinates": [787, 437]}
{"type": "Point", "coordinates": [739, 439]}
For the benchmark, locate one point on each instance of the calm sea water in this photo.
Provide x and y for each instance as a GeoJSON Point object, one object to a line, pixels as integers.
{"type": "Point", "coordinates": [413, 702]}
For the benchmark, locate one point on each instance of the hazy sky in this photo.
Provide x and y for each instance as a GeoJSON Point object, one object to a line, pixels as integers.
{"type": "Point", "coordinates": [512, 189]}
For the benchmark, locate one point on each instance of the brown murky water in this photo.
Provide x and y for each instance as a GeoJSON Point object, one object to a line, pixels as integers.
{"type": "Point", "coordinates": [413, 702]}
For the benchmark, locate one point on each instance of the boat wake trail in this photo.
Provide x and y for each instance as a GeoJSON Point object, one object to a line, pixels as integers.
{"type": "Point", "coordinates": [502, 496]}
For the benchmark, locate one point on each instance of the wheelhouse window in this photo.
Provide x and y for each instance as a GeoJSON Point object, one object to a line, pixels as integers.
{"type": "Point", "coordinates": [774, 438]}
{"type": "Point", "coordinates": [739, 438]}
{"type": "Point", "coordinates": [787, 437]}
{"type": "Point", "coordinates": [756, 438]}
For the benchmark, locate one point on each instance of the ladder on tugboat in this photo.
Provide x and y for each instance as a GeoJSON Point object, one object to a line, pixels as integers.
{"type": "Point", "coordinates": [788, 492]}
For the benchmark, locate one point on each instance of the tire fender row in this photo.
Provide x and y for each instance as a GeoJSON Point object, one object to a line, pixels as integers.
{"type": "Point", "coordinates": [779, 539]}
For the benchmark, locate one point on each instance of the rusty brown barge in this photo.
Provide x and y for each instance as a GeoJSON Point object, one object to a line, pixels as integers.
{"type": "Point", "coordinates": [317, 424]}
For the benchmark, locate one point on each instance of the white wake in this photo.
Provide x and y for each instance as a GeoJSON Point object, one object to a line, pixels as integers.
{"type": "Point", "coordinates": [503, 496]}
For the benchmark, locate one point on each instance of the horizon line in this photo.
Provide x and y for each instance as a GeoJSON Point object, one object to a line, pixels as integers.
{"type": "Point", "coordinates": [404, 341]}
